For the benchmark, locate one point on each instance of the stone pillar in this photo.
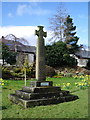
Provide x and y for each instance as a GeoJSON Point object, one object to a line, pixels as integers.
{"type": "Point", "coordinates": [40, 55]}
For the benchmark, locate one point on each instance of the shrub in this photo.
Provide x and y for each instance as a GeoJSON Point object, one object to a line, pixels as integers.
{"type": "Point", "coordinates": [88, 64]}
{"type": "Point", "coordinates": [6, 74]}
{"type": "Point", "coordinates": [50, 71]}
{"type": "Point", "coordinates": [16, 72]}
{"type": "Point", "coordinates": [17, 69]}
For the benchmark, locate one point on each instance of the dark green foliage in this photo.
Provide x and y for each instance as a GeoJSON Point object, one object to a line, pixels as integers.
{"type": "Point", "coordinates": [88, 64]}
{"type": "Point", "coordinates": [70, 61]}
{"type": "Point", "coordinates": [54, 54]}
{"type": "Point", "coordinates": [70, 38]}
{"type": "Point", "coordinates": [7, 55]}
{"type": "Point", "coordinates": [57, 55]}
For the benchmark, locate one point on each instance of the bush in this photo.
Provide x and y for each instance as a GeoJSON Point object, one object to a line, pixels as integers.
{"type": "Point", "coordinates": [16, 72]}
{"type": "Point", "coordinates": [50, 71]}
{"type": "Point", "coordinates": [57, 55]}
{"type": "Point", "coordinates": [88, 64]}
{"type": "Point", "coordinates": [6, 74]}
{"type": "Point", "coordinates": [17, 69]}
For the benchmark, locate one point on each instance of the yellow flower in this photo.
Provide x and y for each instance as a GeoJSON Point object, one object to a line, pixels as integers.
{"type": "Point", "coordinates": [2, 83]}
{"type": "Point", "coordinates": [68, 84]}
{"type": "Point", "coordinates": [85, 83]}
{"type": "Point", "coordinates": [64, 86]}
{"type": "Point", "coordinates": [76, 83]}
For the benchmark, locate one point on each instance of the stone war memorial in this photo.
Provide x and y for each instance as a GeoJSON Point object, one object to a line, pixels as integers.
{"type": "Point", "coordinates": [40, 92]}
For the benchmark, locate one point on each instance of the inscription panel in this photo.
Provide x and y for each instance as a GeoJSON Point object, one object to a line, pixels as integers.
{"type": "Point", "coordinates": [44, 83]}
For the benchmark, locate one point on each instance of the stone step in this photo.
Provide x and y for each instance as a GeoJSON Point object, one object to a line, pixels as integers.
{"type": "Point", "coordinates": [30, 96]}
{"type": "Point", "coordinates": [40, 89]}
{"type": "Point", "coordinates": [37, 102]}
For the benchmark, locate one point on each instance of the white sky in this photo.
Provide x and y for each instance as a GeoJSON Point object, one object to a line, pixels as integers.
{"type": "Point", "coordinates": [27, 32]}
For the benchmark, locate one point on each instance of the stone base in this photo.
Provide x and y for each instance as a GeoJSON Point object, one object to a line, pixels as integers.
{"type": "Point", "coordinates": [41, 89]}
{"type": "Point", "coordinates": [34, 96]}
{"type": "Point", "coordinates": [43, 101]}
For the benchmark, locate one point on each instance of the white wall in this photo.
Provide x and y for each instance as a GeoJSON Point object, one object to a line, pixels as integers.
{"type": "Point", "coordinates": [31, 58]}
{"type": "Point", "coordinates": [1, 61]}
{"type": "Point", "coordinates": [82, 62]}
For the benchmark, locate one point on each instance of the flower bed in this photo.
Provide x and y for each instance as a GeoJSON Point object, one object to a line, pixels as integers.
{"type": "Point", "coordinates": [83, 82]}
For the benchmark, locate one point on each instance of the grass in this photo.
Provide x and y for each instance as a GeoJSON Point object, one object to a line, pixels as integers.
{"type": "Point", "coordinates": [73, 109]}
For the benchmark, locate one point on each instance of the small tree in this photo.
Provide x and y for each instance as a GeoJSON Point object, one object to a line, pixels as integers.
{"type": "Point", "coordinates": [57, 23]}
{"type": "Point", "coordinates": [7, 55]}
{"type": "Point", "coordinates": [25, 68]}
{"type": "Point", "coordinates": [70, 38]}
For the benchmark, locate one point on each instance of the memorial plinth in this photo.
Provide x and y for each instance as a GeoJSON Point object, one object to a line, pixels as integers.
{"type": "Point", "coordinates": [41, 83]}
{"type": "Point", "coordinates": [35, 96]}
{"type": "Point", "coordinates": [40, 92]}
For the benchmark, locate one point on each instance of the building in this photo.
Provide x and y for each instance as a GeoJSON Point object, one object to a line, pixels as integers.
{"type": "Point", "coordinates": [82, 57]}
{"type": "Point", "coordinates": [22, 50]}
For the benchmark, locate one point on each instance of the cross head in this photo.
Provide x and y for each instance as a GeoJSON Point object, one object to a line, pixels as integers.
{"type": "Point", "coordinates": [40, 33]}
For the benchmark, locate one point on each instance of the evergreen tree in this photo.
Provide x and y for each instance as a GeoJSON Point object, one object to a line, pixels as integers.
{"type": "Point", "coordinates": [70, 38]}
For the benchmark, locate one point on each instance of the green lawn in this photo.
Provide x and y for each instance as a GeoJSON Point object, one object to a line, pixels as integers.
{"type": "Point", "coordinates": [73, 109]}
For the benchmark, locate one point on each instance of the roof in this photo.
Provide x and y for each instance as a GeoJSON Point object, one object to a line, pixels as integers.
{"type": "Point", "coordinates": [83, 54]}
{"type": "Point", "coordinates": [19, 46]}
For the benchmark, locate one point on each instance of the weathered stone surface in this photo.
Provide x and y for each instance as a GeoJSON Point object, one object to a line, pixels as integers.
{"type": "Point", "coordinates": [37, 102]}
{"type": "Point", "coordinates": [34, 96]}
{"type": "Point", "coordinates": [30, 96]}
{"type": "Point", "coordinates": [41, 89]}
{"type": "Point", "coordinates": [40, 54]}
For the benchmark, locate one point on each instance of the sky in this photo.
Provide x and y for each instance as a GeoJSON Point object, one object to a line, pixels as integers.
{"type": "Point", "coordinates": [22, 19]}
